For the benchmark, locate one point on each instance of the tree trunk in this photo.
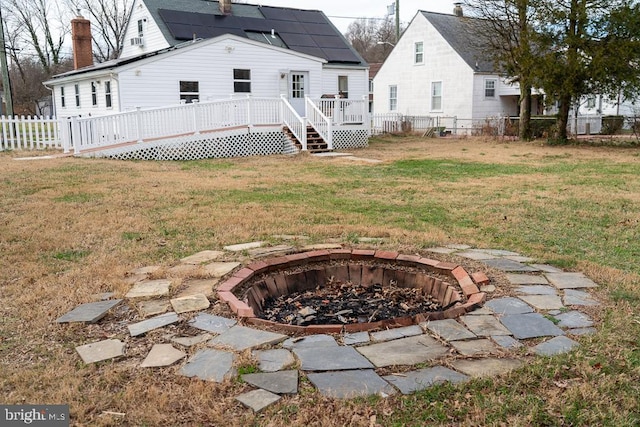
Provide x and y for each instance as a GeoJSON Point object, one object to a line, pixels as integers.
{"type": "Point", "coordinates": [563, 117]}
{"type": "Point", "coordinates": [524, 129]}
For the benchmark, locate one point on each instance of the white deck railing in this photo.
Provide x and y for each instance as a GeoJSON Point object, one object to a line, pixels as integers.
{"type": "Point", "coordinates": [296, 124]}
{"type": "Point", "coordinates": [344, 111]}
{"type": "Point", "coordinates": [21, 133]}
{"type": "Point", "coordinates": [320, 122]}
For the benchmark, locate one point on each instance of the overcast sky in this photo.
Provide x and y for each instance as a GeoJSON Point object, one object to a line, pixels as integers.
{"type": "Point", "coordinates": [343, 12]}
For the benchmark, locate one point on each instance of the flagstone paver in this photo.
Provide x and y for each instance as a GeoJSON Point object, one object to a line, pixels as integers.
{"type": "Point", "coordinates": [273, 360]}
{"type": "Point", "coordinates": [241, 338]}
{"type": "Point", "coordinates": [413, 381]}
{"type": "Point", "coordinates": [486, 367]}
{"type": "Point", "coordinates": [498, 252]}
{"type": "Point", "coordinates": [101, 350]}
{"type": "Point", "coordinates": [508, 265]}
{"type": "Point", "coordinates": [183, 270]}
{"type": "Point", "coordinates": [484, 325]}
{"type": "Point", "coordinates": [149, 289]}
{"type": "Point", "coordinates": [557, 345]}
{"type": "Point", "coordinates": [582, 331]}
{"type": "Point", "coordinates": [546, 268]}
{"type": "Point", "coordinates": [527, 279]}
{"type": "Point", "coordinates": [356, 338]}
{"type": "Point", "coordinates": [190, 303]}
{"type": "Point", "coordinates": [282, 382]}
{"type": "Point", "coordinates": [536, 290]}
{"type": "Point", "coordinates": [574, 319]}
{"type": "Point", "coordinates": [162, 355]}
{"type": "Point", "coordinates": [404, 351]}
{"type": "Point", "coordinates": [210, 365]}
{"type": "Point", "coordinates": [575, 297]}
{"type": "Point", "coordinates": [202, 257]}
{"type": "Point", "coordinates": [520, 258]}
{"type": "Point", "coordinates": [270, 251]}
{"type": "Point", "coordinates": [543, 302]}
{"type": "Point", "coordinates": [507, 341]}
{"type": "Point", "coordinates": [153, 307]}
{"type": "Point", "coordinates": [219, 269]}
{"type": "Point", "coordinates": [338, 358]}
{"type": "Point", "coordinates": [320, 246]}
{"type": "Point", "coordinates": [257, 400]}
{"type": "Point", "coordinates": [149, 269]}
{"type": "Point", "coordinates": [197, 286]}
{"type": "Point", "coordinates": [508, 305]}
{"type": "Point", "coordinates": [441, 250]}
{"type": "Point", "coordinates": [393, 334]}
{"type": "Point", "coordinates": [530, 325]}
{"type": "Point", "coordinates": [350, 384]}
{"type": "Point", "coordinates": [90, 312]}
{"type": "Point", "coordinates": [570, 280]}
{"type": "Point", "coordinates": [210, 323]}
{"type": "Point", "coordinates": [317, 340]}
{"type": "Point", "coordinates": [244, 246]}
{"type": "Point", "coordinates": [145, 326]}
{"type": "Point", "coordinates": [191, 341]}
{"type": "Point", "coordinates": [448, 330]}
{"type": "Point", "coordinates": [475, 255]}
{"type": "Point", "coordinates": [474, 347]}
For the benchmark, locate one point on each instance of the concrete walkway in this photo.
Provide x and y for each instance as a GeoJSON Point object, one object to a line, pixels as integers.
{"type": "Point", "coordinates": [546, 309]}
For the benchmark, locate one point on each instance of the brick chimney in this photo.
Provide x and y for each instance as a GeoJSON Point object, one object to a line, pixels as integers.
{"type": "Point", "coordinates": [81, 37]}
{"type": "Point", "coordinates": [225, 6]}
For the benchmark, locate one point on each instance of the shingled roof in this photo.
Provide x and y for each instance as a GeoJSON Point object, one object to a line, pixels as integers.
{"type": "Point", "coordinates": [459, 32]}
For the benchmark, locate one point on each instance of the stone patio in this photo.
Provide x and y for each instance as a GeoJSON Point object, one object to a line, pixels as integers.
{"type": "Point", "coordinates": [545, 311]}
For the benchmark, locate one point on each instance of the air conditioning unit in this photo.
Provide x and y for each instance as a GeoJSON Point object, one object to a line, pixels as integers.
{"type": "Point", "coordinates": [137, 41]}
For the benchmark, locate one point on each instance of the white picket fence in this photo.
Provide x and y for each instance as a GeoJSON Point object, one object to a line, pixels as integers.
{"type": "Point", "coordinates": [29, 133]}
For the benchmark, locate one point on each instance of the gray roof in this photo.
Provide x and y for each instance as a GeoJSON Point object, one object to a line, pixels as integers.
{"type": "Point", "coordinates": [462, 34]}
{"type": "Point", "coordinates": [304, 31]}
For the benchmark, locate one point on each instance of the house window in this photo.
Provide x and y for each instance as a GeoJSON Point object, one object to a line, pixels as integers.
{"type": "Point", "coordinates": [297, 85]}
{"type": "Point", "coordinates": [419, 53]}
{"type": "Point", "coordinates": [241, 80]}
{"type": "Point", "coordinates": [140, 27]}
{"type": "Point", "coordinates": [107, 94]}
{"type": "Point", "coordinates": [343, 86]}
{"type": "Point", "coordinates": [77, 90]}
{"type": "Point", "coordinates": [591, 101]}
{"type": "Point", "coordinates": [393, 98]}
{"type": "Point", "coordinates": [189, 92]}
{"type": "Point", "coordinates": [63, 102]}
{"type": "Point", "coordinates": [94, 94]}
{"type": "Point", "coordinates": [490, 88]}
{"type": "Point", "coordinates": [371, 85]}
{"type": "Point", "coordinates": [436, 96]}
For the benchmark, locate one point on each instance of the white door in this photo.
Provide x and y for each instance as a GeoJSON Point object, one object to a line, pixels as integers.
{"type": "Point", "coordinates": [298, 82]}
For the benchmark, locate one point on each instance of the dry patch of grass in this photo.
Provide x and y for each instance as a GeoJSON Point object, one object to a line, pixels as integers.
{"type": "Point", "coordinates": [70, 228]}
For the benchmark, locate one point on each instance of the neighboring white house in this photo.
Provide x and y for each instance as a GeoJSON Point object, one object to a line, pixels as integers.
{"type": "Point", "coordinates": [207, 50]}
{"type": "Point", "coordinates": [601, 105]}
{"type": "Point", "coordinates": [435, 70]}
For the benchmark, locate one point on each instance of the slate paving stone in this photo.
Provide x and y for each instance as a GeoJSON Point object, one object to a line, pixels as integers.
{"type": "Point", "coordinates": [484, 325]}
{"type": "Point", "coordinates": [162, 355]}
{"type": "Point", "coordinates": [520, 258]}
{"type": "Point", "coordinates": [149, 289]}
{"type": "Point", "coordinates": [197, 286]}
{"type": "Point", "coordinates": [441, 250]}
{"type": "Point", "coordinates": [356, 338]}
{"type": "Point", "coordinates": [475, 347]}
{"type": "Point", "coordinates": [547, 268]}
{"type": "Point", "coordinates": [448, 330]}
{"type": "Point", "coordinates": [498, 252]}
{"type": "Point", "coordinates": [90, 312]}
{"type": "Point", "coordinates": [575, 297]}
{"type": "Point", "coordinates": [242, 338]}
{"type": "Point", "coordinates": [459, 247]}
{"type": "Point", "coordinates": [481, 311]}
{"type": "Point", "coordinates": [135, 278]}
{"type": "Point", "coordinates": [317, 340]}
{"type": "Point", "coordinates": [543, 302]}
{"type": "Point", "coordinates": [582, 331]}
{"type": "Point", "coordinates": [270, 250]}
{"type": "Point", "coordinates": [526, 279]}
{"type": "Point", "coordinates": [149, 269]}
{"type": "Point", "coordinates": [554, 346]}
{"type": "Point", "coordinates": [413, 381]}
{"type": "Point", "coordinates": [508, 305]}
{"type": "Point", "coordinates": [405, 351]}
{"type": "Point", "coordinates": [182, 270]}
{"type": "Point", "coordinates": [574, 319]}
{"type": "Point", "coordinates": [395, 333]}
{"type": "Point", "coordinates": [257, 400]}
{"type": "Point", "coordinates": [487, 367]}
{"type": "Point", "coordinates": [475, 255]}
{"type": "Point", "coordinates": [530, 325]}
{"type": "Point", "coordinates": [350, 384]}
{"type": "Point", "coordinates": [570, 280]}
{"type": "Point", "coordinates": [244, 246]}
{"type": "Point", "coordinates": [191, 341]}
{"type": "Point", "coordinates": [536, 290]}
{"type": "Point", "coordinates": [273, 360]}
{"type": "Point", "coordinates": [153, 307]}
{"type": "Point", "coordinates": [211, 323]}
{"type": "Point", "coordinates": [219, 269]}
{"type": "Point", "coordinates": [507, 265]}
{"type": "Point", "coordinates": [189, 303]}
{"type": "Point", "coordinates": [101, 350]}
{"type": "Point", "coordinates": [145, 326]}
{"type": "Point", "coordinates": [202, 257]}
{"type": "Point", "coordinates": [506, 341]}
{"type": "Point", "coordinates": [283, 382]}
{"type": "Point", "coordinates": [370, 239]}
{"type": "Point", "coordinates": [209, 365]}
{"type": "Point", "coordinates": [324, 358]}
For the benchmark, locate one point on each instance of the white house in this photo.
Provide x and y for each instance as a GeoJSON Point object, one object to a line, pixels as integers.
{"type": "Point", "coordinates": [435, 70]}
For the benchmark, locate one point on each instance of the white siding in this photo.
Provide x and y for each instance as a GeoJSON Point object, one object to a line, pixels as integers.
{"type": "Point", "coordinates": [505, 102]}
{"type": "Point", "coordinates": [86, 102]}
{"type": "Point", "coordinates": [153, 38]}
{"type": "Point", "coordinates": [155, 82]}
{"type": "Point", "coordinates": [441, 63]}
{"type": "Point", "coordinates": [358, 81]}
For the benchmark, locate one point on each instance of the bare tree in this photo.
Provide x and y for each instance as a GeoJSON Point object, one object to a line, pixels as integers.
{"type": "Point", "coordinates": [373, 39]}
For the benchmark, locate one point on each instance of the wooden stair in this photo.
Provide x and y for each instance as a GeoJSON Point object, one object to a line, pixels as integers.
{"type": "Point", "coordinates": [315, 143]}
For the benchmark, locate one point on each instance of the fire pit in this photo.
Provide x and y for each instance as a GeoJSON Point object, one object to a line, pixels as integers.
{"type": "Point", "coordinates": [333, 291]}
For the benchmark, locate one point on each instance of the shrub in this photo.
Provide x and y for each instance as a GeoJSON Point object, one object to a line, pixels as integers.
{"type": "Point", "coordinates": [612, 125]}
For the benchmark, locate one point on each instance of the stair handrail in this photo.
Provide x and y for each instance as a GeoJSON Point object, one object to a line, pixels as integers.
{"type": "Point", "coordinates": [319, 121]}
{"type": "Point", "coordinates": [296, 124]}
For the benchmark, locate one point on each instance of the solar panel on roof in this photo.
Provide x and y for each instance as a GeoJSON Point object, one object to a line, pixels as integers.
{"type": "Point", "coordinates": [341, 55]}
{"type": "Point", "coordinates": [329, 42]}
{"type": "Point", "coordinates": [298, 40]}
{"type": "Point", "coordinates": [278, 14]}
{"type": "Point", "coordinates": [311, 16]}
{"type": "Point", "coordinates": [320, 30]}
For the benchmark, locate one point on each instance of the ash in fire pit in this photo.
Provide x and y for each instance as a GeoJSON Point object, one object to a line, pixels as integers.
{"type": "Point", "coordinates": [343, 303]}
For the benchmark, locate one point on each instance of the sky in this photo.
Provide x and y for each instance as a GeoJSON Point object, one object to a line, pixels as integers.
{"type": "Point", "coordinates": [343, 12]}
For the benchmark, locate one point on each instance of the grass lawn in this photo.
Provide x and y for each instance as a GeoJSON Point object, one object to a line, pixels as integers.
{"type": "Point", "coordinates": [71, 228]}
